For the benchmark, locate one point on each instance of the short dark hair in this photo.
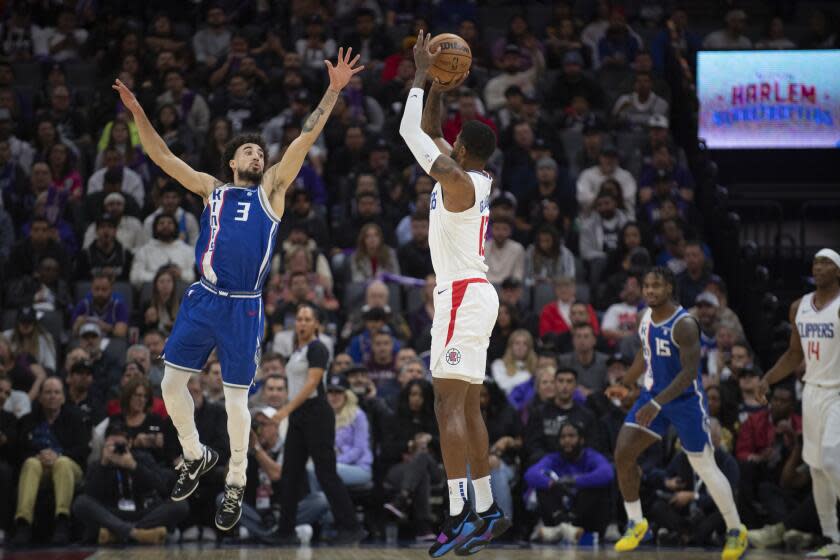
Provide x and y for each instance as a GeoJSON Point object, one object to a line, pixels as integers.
{"type": "Point", "coordinates": [479, 139]}
{"type": "Point", "coordinates": [667, 276]}
{"type": "Point", "coordinates": [276, 376]}
{"type": "Point", "coordinates": [315, 310]}
{"type": "Point", "coordinates": [578, 326]}
{"type": "Point", "coordinates": [234, 144]}
{"type": "Point", "coordinates": [116, 427]}
{"type": "Point", "coordinates": [562, 370]}
{"type": "Point", "coordinates": [270, 357]}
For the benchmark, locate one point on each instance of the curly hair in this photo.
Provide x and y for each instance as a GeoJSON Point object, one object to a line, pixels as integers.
{"type": "Point", "coordinates": [230, 151]}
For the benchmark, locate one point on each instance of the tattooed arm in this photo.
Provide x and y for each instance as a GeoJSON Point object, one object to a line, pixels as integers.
{"type": "Point", "coordinates": [280, 175]}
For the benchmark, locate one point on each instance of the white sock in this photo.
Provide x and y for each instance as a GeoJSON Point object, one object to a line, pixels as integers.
{"type": "Point", "coordinates": [483, 494]}
{"type": "Point", "coordinates": [239, 428]}
{"type": "Point", "coordinates": [826, 503]}
{"type": "Point", "coordinates": [717, 484]}
{"type": "Point", "coordinates": [457, 495]}
{"type": "Point", "coordinates": [181, 408]}
{"type": "Point", "coordinates": [634, 511]}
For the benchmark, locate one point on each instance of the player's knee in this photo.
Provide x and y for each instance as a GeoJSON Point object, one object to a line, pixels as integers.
{"type": "Point", "coordinates": [173, 382]}
{"type": "Point", "coordinates": [831, 461]}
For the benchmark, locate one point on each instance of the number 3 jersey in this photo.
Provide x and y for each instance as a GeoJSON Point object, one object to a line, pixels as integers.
{"type": "Point", "coordinates": [456, 239]}
{"type": "Point", "coordinates": [662, 353]}
{"type": "Point", "coordinates": [238, 232]}
{"type": "Point", "coordinates": [818, 331]}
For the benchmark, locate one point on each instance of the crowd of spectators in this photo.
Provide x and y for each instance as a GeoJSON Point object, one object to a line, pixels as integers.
{"type": "Point", "coordinates": [591, 187]}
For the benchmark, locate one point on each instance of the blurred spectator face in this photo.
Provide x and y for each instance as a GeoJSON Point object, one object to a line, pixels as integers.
{"type": "Point", "coordinates": [276, 392]}
{"type": "Point", "coordinates": [166, 229]}
{"type": "Point", "coordinates": [662, 157]}
{"type": "Point", "coordinates": [565, 385]}
{"type": "Point", "coordinates": [49, 271]}
{"type": "Point", "coordinates": [292, 80]}
{"type": "Point", "coordinates": [174, 83]}
{"type": "Point", "coordinates": [735, 21]}
{"type": "Point", "coordinates": [579, 313]}
{"type": "Point", "coordinates": [546, 174]}
{"type": "Point", "coordinates": [237, 86]}
{"type": "Point", "coordinates": [131, 372]}
{"type": "Point", "coordinates": [248, 66]}
{"type": "Point", "coordinates": [707, 315]}
{"type": "Point", "coordinates": [592, 142]}
{"type": "Point", "coordinates": [299, 261]}
{"type": "Point", "coordinates": [410, 372]}
{"type": "Point", "coordinates": [372, 240]}
{"type": "Point", "coordinates": [292, 60]}
{"type": "Point", "coordinates": [608, 163]}
{"type": "Point", "coordinates": [519, 346]}
{"type": "Point", "coordinates": [405, 70]}
{"type": "Point", "coordinates": [39, 233]}
{"type": "Point", "coordinates": [740, 357]}
{"type": "Point", "coordinates": [643, 62]}
{"type": "Point", "coordinates": [154, 342]}
{"type": "Point", "coordinates": [273, 366]}
{"type": "Point", "coordinates": [565, 290]}
{"type": "Point", "coordinates": [130, 65]}
{"type": "Point", "coordinates": [115, 208]}
{"type": "Point", "coordinates": [141, 355]}
{"type": "Point", "coordinates": [515, 101]}
{"type": "Point", "coordinates": [781, 403]}
{"type": "Point", "coordinates": [5, 391]}
{"type": "Point", "coordinates": [354, 139]}
{"type": "Point", "coordinates": [301, 205]}
{"type": "Point", "coordinates": [376, 294]}
{"type": "Point", "coordinates": [415, 399]}
{"type": "Point", "coordinates": [239, 46]}
{"type": "Point", "coordinates": [7, 76]}
{"type": "Point", "coordinates": [468, 30]}
{"type": "Point", "coordinates": [523, 135]}
{"type": "Point", "coordinates": [501, 232]}
{"type": "Point", "coordinates": [382, 347]}
{"type": "Point", "coordinates": [671, 231]}
{"type": "Point", "coordinates": [268, 431]}
{"type": "Point", "coordinates": [419, 230]}
{"type": "Point", "coordinates": [643, 86]}
{"type": "Point", "coordinates": [211, 378]}
{"type": "Point", "coordinates": [511, 295]}
{"type": "Point", "coordinates": [112, 158]}
{"type": "Point", "coordinates": [632, 237]}
{"type": "Point", "coordinates": [342, 362]}
{"type": "Point", "coordinates": [748, 381]}
{"type": "Point", "coordinates": [215, 17]}
{"type": "Point", "coordinates": [365, 24]}
{"type": "Point", "coordinates": [466, 106]}
{"type": "Point", "coordinates": [367, 206]}
{"type": "Point", "coordinates": [725, 337]}
{"type": "Point", "coordinates": [694, 258]}
{"type": "Point", "coordinates": [713, 397]}
{"type": "Point", "coordinates": [66, 21]}
{"type": "Point", "coordinates": [545, 242]}
{"type": "Point", "coordinates": [404, 356]}
{"type": "Point", "coordinates": [359, 382]}
{"type": "Point", "coordinates": [571, 69]}
{"type": "Point", "coordinates": [166, 61]}
{"type": "Point", "coordinates": [170, 201]}
{"type": "Point", "coordinates": [41, 177]}
{"type": "Point", "coordinates": [5, 152]}
{"type": "Point", "coordinates": [162, 26]}
{"type": "Point", "coordinates": [74, 356]}
{"type": "Point", "coordinates": [570, 442]}
{"type": "Point", "coordinates": [546, 386]}
{"type": "Point", "coordinates": [299, 286]}
{"type": "Point", "coordinates": [51, 397]}
{"type": "Point", "coordinates": [379, 160]}
{"type": "Point", "coordinates": [631, 293]}
{"type": "Point", "coordinates": [60, 99]}
{"type": "Point", "coordinates": [583, 339]}
{"type": "Point", "coordinates": [657, 135]}
{"type": "Point", "coordinates": [605, 206]}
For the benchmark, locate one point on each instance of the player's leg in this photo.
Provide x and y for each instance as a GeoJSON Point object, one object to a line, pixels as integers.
{"type": "Point", "coordinates": [450, 402]}
{"type": "Point", "coordinates": [825, 481]}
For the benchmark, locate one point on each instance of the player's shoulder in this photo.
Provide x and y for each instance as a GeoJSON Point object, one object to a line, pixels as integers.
{"type": "Point", "coordinates": [794, 307]}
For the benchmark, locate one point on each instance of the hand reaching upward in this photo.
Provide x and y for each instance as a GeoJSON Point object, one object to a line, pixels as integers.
{"type": "Point", "coordinates": [343, 70]}
{"type": "Point", "coordinates": [126, 96]}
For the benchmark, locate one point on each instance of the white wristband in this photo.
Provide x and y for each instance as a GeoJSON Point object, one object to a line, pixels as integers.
{"type": "Point", "coordinates": [656, 404]}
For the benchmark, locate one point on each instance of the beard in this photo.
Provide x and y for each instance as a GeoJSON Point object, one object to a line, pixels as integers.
{"type": "Point", "coordinates": [167, 236]}
{"type": "Point", "coordinates": [252, 177]}
{"type": "Point", "coordinates": [572, 455]}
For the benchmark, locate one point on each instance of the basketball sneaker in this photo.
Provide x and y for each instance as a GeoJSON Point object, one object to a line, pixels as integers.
{"type": "Point", "coordinates": [495, 524]}
{"type": "Point", "coordinates": [768, 536]}
{"type": "Point", "coordinates": [456, 530]}
{"type": "Point", "coordinates": [633, 536]}
{"type": "Point", "coordinates": [736, 543]}
{"type": "Point", "coordinates": [830, 551]}
{"type": "Point", "coordinates": [230, 510]}
{"type": "Point", "coordinates": [190, 472]}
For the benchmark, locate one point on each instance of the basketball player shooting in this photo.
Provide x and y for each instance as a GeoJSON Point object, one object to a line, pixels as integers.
{"type": "Point", "coordinates": [672, 395]}
{"type": "Point", "coordinates": [814, 338]}
{"type": "Point", "coordinates": [466, 305]}
{"type": "Point", "coordinates": [224, 309]}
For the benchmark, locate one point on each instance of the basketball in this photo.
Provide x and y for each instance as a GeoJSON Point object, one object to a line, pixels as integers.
{"type": "Point", "coordinates": [454, 59]}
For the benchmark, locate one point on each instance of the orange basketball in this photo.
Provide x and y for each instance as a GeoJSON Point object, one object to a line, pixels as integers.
{"type": "Point", "coordinates": [454, 59]}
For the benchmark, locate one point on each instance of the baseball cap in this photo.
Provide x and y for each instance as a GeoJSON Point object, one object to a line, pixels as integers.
{"type": "Point", "coordinates": [618, 357]}
{"type": "Point", "coordinates": [547, 162]}
{"type": "Point", "coordinates": [510, 48]}
{"type": "Point", "coordinates": [354, 369]}
{"type": "Point", "coordinates": [380, 145]}
{"type": "Point", "coordinates": [658, 121]}
{"type": "Point", "coordinates": [503, 198]}
{"type": "Point", "coordinates": [267, 411]}
{"type": "Point", "coordinates": [106, 218]}
{"type": "Point", "coordinates": [26, 315]}
{"type": "Point", "coordinates": [708, 298]}
{"type": "Point", "coordinates": [609, 150]}
{"type": "Point", "coordinates": [90, 328]}
{"type": "Point", "coordinates": [82, 366]}
{"type": "Point", "coordinates": [514, 90]}
{"type": "Point", "coordinates": [337, 382]}
{"type": "Point", "coordinates": [374, 314]}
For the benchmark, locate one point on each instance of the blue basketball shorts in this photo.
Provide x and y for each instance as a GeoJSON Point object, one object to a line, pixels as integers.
{"type": "Point", "coordinates": [687, 413]}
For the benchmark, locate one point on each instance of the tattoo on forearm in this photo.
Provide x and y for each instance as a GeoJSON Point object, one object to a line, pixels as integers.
{"type": "Point", "coordinates": [312, 120]}
{"type": "Point", "coordinates": [326, 105]}
{"type": "Point", "coordinates": [430, 121]}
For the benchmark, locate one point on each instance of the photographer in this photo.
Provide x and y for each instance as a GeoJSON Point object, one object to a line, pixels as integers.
{"type": "Point", "coordinates": [124, 494]}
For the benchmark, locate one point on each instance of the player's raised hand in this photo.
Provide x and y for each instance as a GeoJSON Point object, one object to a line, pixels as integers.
{"type": "Point", "coordinates": [344, 69]}
{"type": "Point", "coordinates": [126, 96]}
{"type": "Point", "coordinates": [423, 55]}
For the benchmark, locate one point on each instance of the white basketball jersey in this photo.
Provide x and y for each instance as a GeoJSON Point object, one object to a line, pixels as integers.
{"type": "Point", "coordinates": [820, 335]}
{"type": "Point", "coordinates": [456, 239]}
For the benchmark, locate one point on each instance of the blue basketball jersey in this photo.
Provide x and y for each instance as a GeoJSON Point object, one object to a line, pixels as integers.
{"type": "Point", "coordinates": [238, 231]}
{"type": "Point", "coordinates": [662, 353]}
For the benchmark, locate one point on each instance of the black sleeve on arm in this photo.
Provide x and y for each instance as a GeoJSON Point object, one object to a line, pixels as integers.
{"type": "Point", "coordinates": [317, 355]}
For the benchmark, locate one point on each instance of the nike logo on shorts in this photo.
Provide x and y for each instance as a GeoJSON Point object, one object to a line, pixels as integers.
{"type": "Point", "coordinates": [440, 292]}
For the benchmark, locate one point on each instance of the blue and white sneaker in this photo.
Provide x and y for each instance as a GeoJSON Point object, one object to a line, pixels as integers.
{"type": "Point", "coordinates": [495, 524]}
{"type": "Point", "coordinates": [456, 530]}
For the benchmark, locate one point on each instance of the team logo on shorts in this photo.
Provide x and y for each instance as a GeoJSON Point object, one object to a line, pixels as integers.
{"type": "Point", "coordinates": [453, 356]}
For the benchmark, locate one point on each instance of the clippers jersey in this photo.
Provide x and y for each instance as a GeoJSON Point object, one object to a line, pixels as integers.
{"type": "Point", "coordinates": [661, 352]}
{"type": "Point", "coordinates": [819, 331]}
{"type": "Point", "coordinates": [456, 240]}
{"type": "Point", "coordinates": [236, 241]}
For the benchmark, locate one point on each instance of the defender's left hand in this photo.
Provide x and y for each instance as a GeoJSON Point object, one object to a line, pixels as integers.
{"type": "Point", "coordinates": [344, 69]}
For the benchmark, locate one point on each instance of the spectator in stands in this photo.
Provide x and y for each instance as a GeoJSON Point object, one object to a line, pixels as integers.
{"type": "Point", "coordinates": [211, 43]}
{"type": "Point", "coordinates": [545, 419]}
{"type": "Point", "coordinates": [619, 45]}
{"type": "Point", "coordinates": [775, 39]}
{"type": "Point", "coordinates": [7, 235]}
{"type": "Point", "coordinates": [153, 340]}
{"type": "Point", "coordinates": [724, 417]}
{"type": "Point", "coordinates": [732, 36]}
{"type": "Point", "coordinates": [820, 34]}
{"type": "Point", "coordinates": [218, 135]}
{"type": "Point", "coordinates": [21, 39]}
{"type": "Point", "coordinates": [518, 363]}
{"type": "Point", "coordinates": [65, 175]}
{"type": "Point", "coordinates": [29, 338]}
{"type": "Point", "coordinates": [315, 46]}
{"type": "Point", "coordinates": [620, 319]}
{"type": "Point", "coordinates": [191, 105]}
{"type": "Point", "coordinates": [106, 370]}
{"type": "Point", "coordinates": [240, 104]}
{"type": "Point", "coordinates": [102, 307]}
{"type": "Point", "coordinates": [54, 443]}
{"type": "Point", "coordinates": [170, 197]}
{"type": "Point", "coordinates": [127, 476]}
{"type": "Point", "coordinates": [213, 388]}
{"type": "Point", "coordinates": [113, 160]}
{"type": "Point", "coordinates": [145, 427]}
{"type": "Point", "coordinates": [542, 388]}
{"type": "Point", "coordinates": [765, 441]}
{"type": "Point", "coordinates": [572, 82]}
{"type": "Point", "coordinates": [590, 365]}
{"type": "Point", "coordinates": [687, 514]}
{"type": "Point", "coordinates": [381, 363]}
{"type": "Point", "coordinates": [634, 110]}
{"type": "Point", "coordinates": [372, 255]}
{"type": "Point", "coordinates": [505, 436]}
{"type": "Point", "coordinates": [420, 320]}
{"type": "Point", "coordinates": [551, 184]}
{"type": "Point", "coordinates": [408, 456]}
{"type": "Point", "coordinates": [106, 255]}
{"type": "Point", "coordinates": [692, 281]}
{"type": "Point", "coordinates": [600, 231]}
{"type": "Point", "coordinates": [21, 151]}
{"type": "Point", "coordinates": [66, 40]}
{"type": "Point", "coordinates": [297, 292]}
{"type": "Point", "coordinates": [555, 316]}
{"type": "Point", "coordinates": [468, 110]}
{"type": "Point", "coordinates": [163, 307]}
{"type": "Point", "coordinates": [514, 74]}
{"type": "Point", "coordinates": [162, 36]}
{"type": "Point", "coordinates": [415, 257]}
{"type": "Point", "coordinates": [130, 232]}
{"type": "Point", "coordinates": [8, 454]}
{"type": "Point", "coordinates": [301, 213]}
{"type": "Point", "coordinates": [677, 38]}
{"type": "Point", "coordinates": [504, 256]}
{"type": "Point", "coordinates": [748, 385]}
{"type": "Point", "coordinates": [562, 37]}
{"type": "Point", "coordinates": [164, 249]}
{"type": "Point", "coordinates": [548, 258]}
{"type": "Point", "coordinates": [662, 162]}
{"type": "Point", "coordinates": [717, 287]}
{"type": "Point", "coordinates": [368, 39]}
{"type": "Point", "coordinates": [140, 354]}
{"type": "Point", "coordinates": [79, 381]}
{"type": "Point", "coordinates": [708, 318]}
{"type": "Point", "coordinates": [41, 243]}
{"type": "Point", "coordinates": [18, 402]}
{"type": "Point", "coordinates": [572, 487]}
{"type": "Point", "coordinates": [591, 181]}
{"type": "Point", "coordinates": [672, 242]}
{"type": "Point", "coordinates": [506, 323]}
{"type": "Point", "coordinates": [352, 435]}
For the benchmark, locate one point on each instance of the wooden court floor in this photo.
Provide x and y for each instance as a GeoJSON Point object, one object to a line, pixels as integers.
{"type": "Point", "coordinates": [375, 553]}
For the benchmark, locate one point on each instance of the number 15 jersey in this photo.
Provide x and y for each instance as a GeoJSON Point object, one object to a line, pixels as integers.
{"type": "Point", "coordinates": [456, 239]}
{"type": "Point", "coordinates": [662, 353]}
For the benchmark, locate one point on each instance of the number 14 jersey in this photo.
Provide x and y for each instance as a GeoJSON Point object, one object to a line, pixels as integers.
{"type": "Point", "coordinates": [456, 240]}
{"type": "Point", "coordinates": [818, 331]}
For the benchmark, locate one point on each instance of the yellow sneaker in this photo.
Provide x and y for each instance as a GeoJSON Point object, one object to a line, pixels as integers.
{"type": "Point", "coordinates": [736, 543]}
{"type": "Point", "coordinates": [634, 535]}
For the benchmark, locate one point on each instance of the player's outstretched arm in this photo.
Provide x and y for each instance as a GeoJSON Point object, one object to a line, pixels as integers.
{"type": "Point", "coordinates": [687, 336]}
{"type": "Point", "coordinates": [201, 184]}
{"type": "Point", "coordinates": [458, 190]}
{"type": "Point", "coordinates": [280, 175]}
{"type": "Point", "coordinates": [787, 362]}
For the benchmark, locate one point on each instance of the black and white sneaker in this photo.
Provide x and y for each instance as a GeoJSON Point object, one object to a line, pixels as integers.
{"type": "Point", "coordinates": [190, 472]}
{"type": "Point", "coordinates": [230, 510]}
